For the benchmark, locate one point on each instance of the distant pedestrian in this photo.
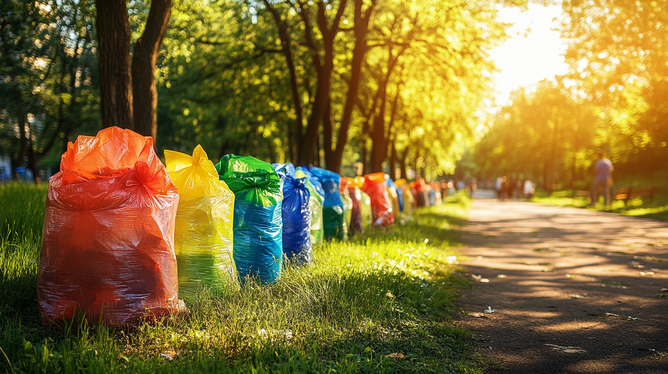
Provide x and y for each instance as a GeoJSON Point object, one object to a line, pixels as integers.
{"type": "Point", "coordinates": [528, 189]}
{"type": "Point", "coordinates": [603, 170]}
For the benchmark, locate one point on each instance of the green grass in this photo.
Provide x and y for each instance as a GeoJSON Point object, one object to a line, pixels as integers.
{"type": "Point", "coordinates": [360, 302]}
{"type": "Point", "coordinates": [638, 207]}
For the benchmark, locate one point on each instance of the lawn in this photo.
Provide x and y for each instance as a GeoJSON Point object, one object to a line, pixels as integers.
{"type": "Point", "coordinates": [656, 208]}
{"type": "Point", "coordinates": [382, 302]}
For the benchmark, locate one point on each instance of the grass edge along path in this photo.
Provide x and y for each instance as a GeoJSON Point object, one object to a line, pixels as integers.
{"type": "Point", "coordinates": [656, 209]}
{"type": "Point", "coordinates": [382, 302]}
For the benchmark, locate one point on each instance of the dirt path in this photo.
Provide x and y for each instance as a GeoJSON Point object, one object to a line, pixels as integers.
{"type": "Point", "coordinates": [552, 274]}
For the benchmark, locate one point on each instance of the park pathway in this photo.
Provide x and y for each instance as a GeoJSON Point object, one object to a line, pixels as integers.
{"type": "Point", "coordinates": [573, 290]}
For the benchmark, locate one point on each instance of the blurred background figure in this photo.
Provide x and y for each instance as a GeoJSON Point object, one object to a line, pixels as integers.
{"type": "Point", "coordinates": [471, 186]}
{"type": "Point", "coordinates": [505, 188]}
{"type": "Point", "coordinates": [528, 189]}
{"type": "Point", "coordinates": [603, 170]}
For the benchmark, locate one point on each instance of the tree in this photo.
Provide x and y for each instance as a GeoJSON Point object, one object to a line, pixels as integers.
{"type": "Point", "coordinates": [50, 91]}
{"type": "Point", "coordinates": [430, 56]}
{"type": "Point", "coordinates": [617, 56]}
{"type": "Point", "coordinates": [127, 92]}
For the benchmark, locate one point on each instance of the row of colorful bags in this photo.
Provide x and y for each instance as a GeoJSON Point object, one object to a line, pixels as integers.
{"type": "Point", "coordinates": [124, 236]}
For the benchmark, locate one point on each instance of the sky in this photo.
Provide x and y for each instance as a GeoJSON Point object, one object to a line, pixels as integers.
{"type": "Point", "coordinates": [528, 57]}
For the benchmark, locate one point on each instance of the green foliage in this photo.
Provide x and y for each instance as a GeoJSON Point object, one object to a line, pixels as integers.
{"type": "Point", "coordinates": [612, 99]}
{"type": "Point", "coordinates": [47, 52]}
{"type": "Point", "coordinates": [359, 303]}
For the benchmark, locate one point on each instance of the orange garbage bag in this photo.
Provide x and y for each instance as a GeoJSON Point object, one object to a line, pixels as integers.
{"type": "Point", "coordinates": [381, 204]}
{"type": "Point", "coordinates": [108, 239]}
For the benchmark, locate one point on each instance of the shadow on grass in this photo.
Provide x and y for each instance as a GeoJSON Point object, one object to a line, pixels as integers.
{"type": "Point", "coordinates": [377, 303]}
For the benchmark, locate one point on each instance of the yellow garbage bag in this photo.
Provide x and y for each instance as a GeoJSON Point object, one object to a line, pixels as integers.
{"type": "Point", "coordinates": [203, 232]}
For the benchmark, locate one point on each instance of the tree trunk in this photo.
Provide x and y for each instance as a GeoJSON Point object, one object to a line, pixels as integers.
{"type": "Point", "coordinates": [402, 163]}
{"type": "Point", "coordinates": [295, 130]}
{"type": "Point", "coordinates": [365, 157]}
{"type": "Point", "coordinates": [144, 61]}
{"type": "Point", "coordinates": [324, 71]}
{"type": "Point", "coordinates": [113, 35]}
{"type": "Point", "coordinates": [32, 164]}
{"type": "Point", "coordinates": [327, 129]}
{"type": "Point", "coordinates": [359, 54]}
{"type": "Point", "coordinates": [378, 148]}
{"type": "Point", "coordinates": [393, 161]}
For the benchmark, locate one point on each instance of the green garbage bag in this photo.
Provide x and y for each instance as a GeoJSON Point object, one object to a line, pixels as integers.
{"type": "Point", "coordinates": [258, 223]}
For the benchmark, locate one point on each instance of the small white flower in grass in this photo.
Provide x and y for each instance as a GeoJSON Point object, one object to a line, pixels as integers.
{"type": "Point", "coordinates": [426, 241]}
{"type": "Point", "coordinates": [451, 259]}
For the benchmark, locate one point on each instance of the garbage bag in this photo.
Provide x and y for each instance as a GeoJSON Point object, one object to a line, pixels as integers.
{"type": "Point", "coordinates": [347, 212]}
{"type": "Point", "coordinates": [316, 199]}
{"type": "Point", "coordinates": [296, 215]}
{"type": "Point", "coordinates": [347, 205]}
{"type": "Point", "coordinates": [394, 196]}
{"type": "Point", "coordinates": [421, 192]}
{"type": "Point", "coordinates": [356, 224]}
{"type": "Point", "coordinates": [107, 251]}
{"type": "Point", "coordinates": [381, 205]}
{"type": "Point", "coordinates": [203, 239]}
{"type": "Point", "coordinates": [332, 210]}
{"type": "Point", "coordinates": [258, 224]}
{"type": "Point", "coordinates": [400, 197]}
{"type": "Point", "coordinates": [405, 191]}
{"type": "Point", "coordinates": [365, 200]}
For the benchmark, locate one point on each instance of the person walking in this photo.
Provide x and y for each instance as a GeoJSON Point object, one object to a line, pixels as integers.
{"type": "Point", "coordinates": [603, 170]}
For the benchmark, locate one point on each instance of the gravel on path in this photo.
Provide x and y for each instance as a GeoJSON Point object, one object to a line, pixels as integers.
{"type": "Point", "coordinates": [572, 290]}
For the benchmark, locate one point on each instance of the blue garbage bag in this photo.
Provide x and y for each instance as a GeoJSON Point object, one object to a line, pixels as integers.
{"type": "Point", "coordinates": [296, 215]}
{"type": "Point", "coordinates": [332, 211]}
{"type": "Point", "coordinates": [258, 223]}
{"type": "Point", "coordinates": [400, 196]}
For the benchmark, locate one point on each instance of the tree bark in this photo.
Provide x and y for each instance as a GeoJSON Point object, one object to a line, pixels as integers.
{"type": "Point", "coordinates": [379, 148]}
{"type": "Point", "coordinates": [294, 131]}
{"type": "Point", "coordinates": [144, 60]}
{"type": "Point", "coordinates": [113, 35]}
{"type": "Point", "coordinates": [402, 159]}
{"type": "Point", "coordinates": [324, 71]}
{"type": "Point", "coordinates": [359, 54]}
{"type": "Point", "coordinates": [327, 128]}
{"type": "Point", "coordinates": [393, 161]}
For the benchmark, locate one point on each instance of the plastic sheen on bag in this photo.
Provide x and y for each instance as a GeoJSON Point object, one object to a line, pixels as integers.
{"type": "Point", "coordinates": [107, 251]}
{"type": "Point", "coordinates": [203, 239]}
{"type": "Point", "coordinates": [421, 192]}
{"type": "Point", "coordinates": [317, 197]}
{"type": "Point", "coordinates": [365, 200]}
{"type": "Point", "coordinates": [356, 221]}
{"type": "Point", "coordinates": [394, 196]}
{"type": "Point", "coordinates": [347, 205]}
{"type": "Point", "coordinates": [332, 210]}
{"type": "Point", "coordinates": [296, 215]}
{"type": "Point", "coordinates": [258, 224]}
{"type": "Point", "coordinates": [399, 208]}
{"type": "Point", "coordinates": [381, 205]}
{"type": "Point", "coordinates": [405, 191]}
{"type": "Point", "coordinates": [347, 212]}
